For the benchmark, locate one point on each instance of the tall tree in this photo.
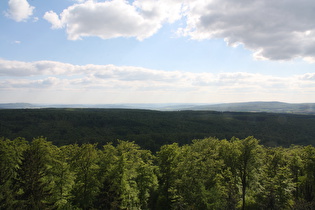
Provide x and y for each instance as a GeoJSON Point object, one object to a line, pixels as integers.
{"type": "Point", "coordinates": [85, 165]}
{"type": "Point", "coordinates": [296, 166]}
{"type": "Point", "coordinates": [167, 160]}
{"type": "Point", "coordinates": [108, 196]}
{"type": "Point", "coordinates": [33, 179]}
{"type": "Point", "coordinates": [128, 176]}
{"type": "Point", "coordinates": [229, 152]}
{"type": "Point", "coordinates": [307, 186]}
{"type": "Point", "coordinates": [10, 159]}
{"type": "Point", "coordinates": [200, 182]}
{"type": "Point", "coordinates": [249, 161]}
{"type": "Point", "coordinates": [146, 178]}
{"type": "Point", "coordinates": [276, 180]}
{"type": "Point", "coordinates": [62, 177]}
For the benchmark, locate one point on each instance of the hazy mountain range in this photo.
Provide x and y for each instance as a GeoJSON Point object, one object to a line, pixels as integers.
{"type": "Point", "coordinates": [275, 107]}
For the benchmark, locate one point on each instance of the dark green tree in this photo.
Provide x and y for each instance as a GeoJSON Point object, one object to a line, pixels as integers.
{"type": "Point", "coordinates": [33, 180]}
{"type": "Point", "coordinates": [10, 159]}
{"type": "Point", "coordinates": [128, 176]}
{"type": "Point", "coordinates": [307, 178]}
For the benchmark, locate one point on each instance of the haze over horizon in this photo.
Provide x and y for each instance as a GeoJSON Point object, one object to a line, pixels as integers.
{"type": "Point", "coordinates": [156, 51]}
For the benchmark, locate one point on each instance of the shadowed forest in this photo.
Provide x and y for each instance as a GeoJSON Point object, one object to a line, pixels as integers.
{"type": "Point", "coordinates": [152, 129]}
{"type": "Point", "coordinates": [156, 165]}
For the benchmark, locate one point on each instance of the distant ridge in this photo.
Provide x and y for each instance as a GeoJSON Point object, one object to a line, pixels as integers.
{"type": "Point", "coordinates": [272, 106]}
{"type": "Point", "coordinates": [257, 106]}
{"type": "Point", "coordinates": [17, 106]}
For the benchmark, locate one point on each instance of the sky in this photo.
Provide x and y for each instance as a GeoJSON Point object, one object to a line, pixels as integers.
{"type": "Point", "coordinates": [156, 51]}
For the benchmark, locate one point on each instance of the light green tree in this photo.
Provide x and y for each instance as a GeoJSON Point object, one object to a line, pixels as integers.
{"type": "Point", "coordinates": [276, 180]}
{"type": "Point", "coordinates": [229, 152]}
{"type": "Point", "coordinates": [84, 163]}
{"type": "Point", "coordinates": [62, 177]}
{"type": "Point", "coordinates": [249, 163]}
{"type": "Point", "coordinates": [167, 161]}
{"type": "Point", "coordinates": [200, 182]}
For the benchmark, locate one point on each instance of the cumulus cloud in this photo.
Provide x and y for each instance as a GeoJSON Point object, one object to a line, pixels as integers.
{"type": "Point", "coordinates": [53, 18]}
{"type": "Point", "coordinates": [165, 86]}
{"type": "Point", "coordinates": [111, 19]}
{"type": "Point", "coordinates": [274, 30]}
{"type": "Point", "coordinates": [19, 10]}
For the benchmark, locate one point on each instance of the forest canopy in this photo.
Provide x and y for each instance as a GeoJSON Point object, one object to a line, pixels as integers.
{"type": "Point", "coordinates": [204, 174]}
{"type": "Point", "coordinates": [152, 129]}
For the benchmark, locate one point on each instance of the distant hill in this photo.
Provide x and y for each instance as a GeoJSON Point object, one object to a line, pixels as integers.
{"type": "Point", "coordinates": [18, 106]}
{"type": "Point", "coordinates": [271, 107]}
{"type": "Point", "coordinates": [149, 106]}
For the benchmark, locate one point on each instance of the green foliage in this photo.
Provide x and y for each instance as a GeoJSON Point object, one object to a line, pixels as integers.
{"type": "Point", "coordinates": [10, 159]}
{"type": "Point", "coordinates": [249, 162]}
{"type": "Point", "coordinates": [84, 162]}
{"type": "Point", "coordinates": [277, 182]}
{"type": "Point", "coordinates": [153, 129]}
{"type": "Point", "coordinates": [200, 183]}
{"type": "Point", "coordinates": [307, 185]}
{"type": "Point", "coordinates": [63, 178]}
{"type": "Point", "coordinates": [167, 160]}
{"type": "Point", "coordinates": [33, 176]}
{"type": "Point", "coordinates": [206, 174]}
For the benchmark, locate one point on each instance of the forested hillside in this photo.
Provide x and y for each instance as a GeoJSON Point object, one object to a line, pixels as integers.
{"type": "Point", "coordinates": [205, 174]}
{"type": "Point", "coordinates": [152, 129]}
{"type": "Point", "coordinates": [155, 165]}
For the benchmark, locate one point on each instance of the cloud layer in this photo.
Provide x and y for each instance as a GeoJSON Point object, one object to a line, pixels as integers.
{"type": "Point", "coordinates": [19, 10]}
{"type": "Point", "coordinates": [135, 84]}
{"type": "Point", "coordinates": [274, 30]}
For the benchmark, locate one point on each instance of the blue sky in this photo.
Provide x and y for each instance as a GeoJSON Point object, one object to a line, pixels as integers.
{"type": "Point", "coordinates": [156, 51]}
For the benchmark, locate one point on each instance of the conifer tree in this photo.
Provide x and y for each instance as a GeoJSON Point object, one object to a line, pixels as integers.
{"type": "Point", "coordinates": [10, 159]}
{"type": "Point", "coordinates": [32, 176]}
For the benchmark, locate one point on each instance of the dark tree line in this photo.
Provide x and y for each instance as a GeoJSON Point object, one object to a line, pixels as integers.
{"type": "Point", "coordinates": [206, 174]}
{"type": "Point", "coordinates": [153, 129]}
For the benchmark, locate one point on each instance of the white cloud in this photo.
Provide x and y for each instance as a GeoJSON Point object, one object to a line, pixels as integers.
{"type": "Point", "coordinates": [136, 84]}
{"type": "Point", "coordinates": [19, 10]}
{"type": "Point", "coordinates": [160, 10]}
{"type": "Point", "coordinates": [116, 18]}
{"type": "Point", "coordinates": [53, 18]}
{"type": "Point", "coordinates": [18, 68]}
{"type": "Point", "coordinates": [275, 30]}
{"type": "Point", "coordinates": [308, 76]}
